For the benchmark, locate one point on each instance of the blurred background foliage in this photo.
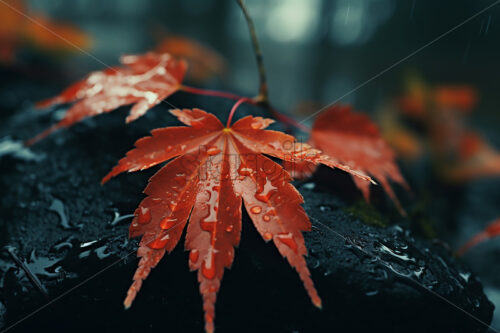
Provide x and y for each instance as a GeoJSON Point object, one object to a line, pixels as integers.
{"type": "Point", "coordinates": [438, 108]}
{"type": "Point", "coordinates": [315, 50]}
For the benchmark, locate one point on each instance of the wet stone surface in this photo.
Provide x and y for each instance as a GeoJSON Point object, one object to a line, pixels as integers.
{"type": "Point", "coordinates": [60, 227]}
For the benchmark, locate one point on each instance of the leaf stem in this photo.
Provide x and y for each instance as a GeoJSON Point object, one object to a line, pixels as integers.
{"type": "Point", "coordinates": [288, 120]}
{"type": "Point", "coordinates": [253, 101]}
{"type": "Point", "coordinates": [263, 96]}
{"type": "Point", "coordinates": [207, 92]}
{"type": "Point", "coordinates": [235, 106]}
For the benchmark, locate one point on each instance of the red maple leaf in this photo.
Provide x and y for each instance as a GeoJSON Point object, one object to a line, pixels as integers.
{"type": "Point", "coordinates": [214, 170]}
{"type": "Point", "coordinates": [354, 140]}
{"type": "Point", "coordinates": [144, 80]}
{"type": "Point", "coordinates": [491, 231]}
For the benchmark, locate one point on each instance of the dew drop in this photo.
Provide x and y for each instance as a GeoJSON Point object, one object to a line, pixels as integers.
{"type": "Point", "coordinates": [144, 215]}
{"type": "Point", "coordinates": [288, 240]}
{"type": "Point", "coordinates": [268, 236]}
{"type": "Point", "coordinates": [275, 145]}
{"type": "Point", "coordinates": [244, 171]}
{"type": "Point", "coordinates": [207, 226]}
{"type": "Point", "coordinates": [207, 195]}
{"type": "Point", "coordinates": [172, 205]}
{"type": "Point", "coordinates": [256, 209]}
{"type": "Point", "coordinates": [255, 125]}
{"type": "Point", "coordinates": [167, 222]}
{"type": "Point", "coordinates": [278, 199]}
{"type": "Point", "coordinates": [208, 271]}
{"type": "Point", "coordinates": [229, 228]}
{"type": "Point", "coordinates": [160, 243]}
{"type": "Point", "coordinates": [264, 197]}
{"type": "Point", "coordinates": [193, 256]}
{"type": "Point", "coordinates": [266, 218]}
{"type": "Point", "coordinates": [180, 179]}
{"type": "Point", "coordinates": [213, 151]}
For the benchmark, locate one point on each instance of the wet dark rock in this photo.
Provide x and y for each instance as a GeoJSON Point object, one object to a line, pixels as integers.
{"type": "Point", "coordinates": [480, 208]}
{"type": "Point", "coordinates": [370, 278]}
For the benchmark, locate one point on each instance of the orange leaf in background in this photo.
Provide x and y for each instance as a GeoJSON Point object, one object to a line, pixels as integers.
{"type": "Point", "coordinates": [12, 24]}
{"type": "Point", "coordinates": [421, 100]}
{"type": "Point", "coordinates": [55, 36]}
{"type": "Point", "coordinates": [459, 153]}
{"type": "Point", "coordinates": [204, 62]}
{"type": "Point", "coordinates": [144, 80]}
{"type": "Point", "coordinates": [403, 140]}
{"type": "Point", "coordinates": [462, 98]}
{"type": "Point", "coordinates": [354, 140]}
{"type": "Point", "coordinates": [493, 230]}
{"type": "Point", "coordinates": [16, 30]}
{"type": "Point", "coordinates": [415, 102]}
{"type": "Point", "coordinates": [214, 170]}
{"type": "Point", "coordinates": [477, 159]}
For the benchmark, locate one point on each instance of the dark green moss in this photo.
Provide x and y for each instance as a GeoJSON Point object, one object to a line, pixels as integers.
{"type": "Point", "coordinates": [367, 214]}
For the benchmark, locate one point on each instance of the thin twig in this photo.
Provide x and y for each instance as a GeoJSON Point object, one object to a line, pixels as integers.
{"type": "Point", "coordinates": [206, 92]}
{"type": "Point", "coordinates": [252, 101]}
{"type": "Point", "coordinates": [263, 96]}
{"type": "Point", "coordinates": [233, 109]}
{"type": "Point", "coordinates": [29, 274]}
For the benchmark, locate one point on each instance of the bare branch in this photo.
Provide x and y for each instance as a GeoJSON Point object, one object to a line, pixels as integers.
{"type": "Point", "coordinates": [263, 96]}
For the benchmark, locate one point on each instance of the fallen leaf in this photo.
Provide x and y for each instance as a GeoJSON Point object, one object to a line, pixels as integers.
{"type": "Point", "coordinates": [144, 80]}
{"type": "Point", "coordinates": [214, 169]}
{"type": "Point", "coordinates": [354, 140]}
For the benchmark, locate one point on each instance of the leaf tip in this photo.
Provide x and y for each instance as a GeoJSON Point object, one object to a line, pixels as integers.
{"type": "Point", "coordinates": [317, 303]}
{"type": "Point", "coordinates": [127, 303]}
{"type": "Point", "coordinates": [42, 135]}
{"type": "Point", "coordinates": [129, 119]}
{"type": "Point", "coordinates": [472, 243]}
{"type": "Point", "coordinates": [175, 112]}
{"type": "Point", "coordinates": [209, 328]}
{"type": "Point", "coordinates": [45, 103]}
{"type": "Point", "coordinates": [106, 178]}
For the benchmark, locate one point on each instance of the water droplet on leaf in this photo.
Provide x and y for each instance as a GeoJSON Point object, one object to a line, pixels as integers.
{"type": "Point", "coordinates": [168, 222]}
{"type": "Point", "coordinates": [144, 215]}
{"type": "Point", "coordinates": [256, 209]}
